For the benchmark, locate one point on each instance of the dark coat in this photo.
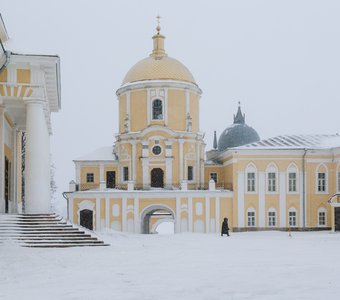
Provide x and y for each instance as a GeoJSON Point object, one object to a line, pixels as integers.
{"type": "Point", "coordinates": [225, 227]}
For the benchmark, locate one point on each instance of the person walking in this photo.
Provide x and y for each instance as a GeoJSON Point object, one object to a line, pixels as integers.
{"type": "Point", "coordinates": [225, 227]}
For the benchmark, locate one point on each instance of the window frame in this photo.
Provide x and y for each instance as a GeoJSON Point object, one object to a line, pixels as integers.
{"type": "Point", "coordinates": [153, 110]}
{"type": "Point", "coordinates": [321, 186]}
{"type": "Point", "coordinates": [191, 173]}
{"type": "Point", "coordinates": [88, 176]}
{"type": "Point", "coordinates": [125, 173]}
{"type": "Point", "coordinates": [292, 218]}
{"type": "Point", "coordinates": [295, 183]}
{"type": "Point", "coordinates": [322, 210]}
{"type": "Point", "coordinates": [251, 218]}
{"type": "Point", "coordinates": [272, 219]}
{"type": "Point", "coordinates": [253, 181]}
{"type": "Point", "coordinates": [272, 182]}
{"type": "Point", "coordinates": [211, 177]}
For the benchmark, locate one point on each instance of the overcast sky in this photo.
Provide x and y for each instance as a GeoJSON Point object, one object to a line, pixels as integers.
{"type": "Point", "coordinates": [279, 58]}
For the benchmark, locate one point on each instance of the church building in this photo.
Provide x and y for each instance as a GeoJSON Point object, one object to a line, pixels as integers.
{"type": "Point", "coordinates": [158, 170]}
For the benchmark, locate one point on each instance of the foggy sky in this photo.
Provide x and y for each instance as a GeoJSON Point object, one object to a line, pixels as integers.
{"type": "Point", "coordinates": [279, 58]}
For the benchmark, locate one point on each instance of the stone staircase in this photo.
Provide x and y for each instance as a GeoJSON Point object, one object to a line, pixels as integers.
{"type": "Point", "coordinates": [43, 231]}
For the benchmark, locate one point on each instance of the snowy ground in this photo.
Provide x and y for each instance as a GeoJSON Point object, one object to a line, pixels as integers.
{"type": "Point", "coordinates": [258, 265]}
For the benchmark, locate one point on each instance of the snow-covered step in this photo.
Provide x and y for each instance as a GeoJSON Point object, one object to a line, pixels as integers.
{"type": "Point", "coordinates": [43, 230]}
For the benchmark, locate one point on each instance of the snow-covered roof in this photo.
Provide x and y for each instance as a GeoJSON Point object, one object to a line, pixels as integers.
{"type": "Point", "coordinates": [309, 141]}
{"type": "Point", "coordinates": [103, 153]}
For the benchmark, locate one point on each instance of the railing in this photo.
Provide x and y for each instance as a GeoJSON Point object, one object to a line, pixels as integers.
{"type": "Point", "coordinates": [87, 186]}
{"type": "Point", "coordinates": [172, 187]}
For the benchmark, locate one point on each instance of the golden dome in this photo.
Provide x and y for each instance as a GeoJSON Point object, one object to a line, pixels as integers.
{"type": "Point", "coordinates": [158, 66]}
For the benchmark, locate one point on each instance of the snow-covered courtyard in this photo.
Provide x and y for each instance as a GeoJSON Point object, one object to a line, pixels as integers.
{"type": "Point", "coordinates": [257, 265]}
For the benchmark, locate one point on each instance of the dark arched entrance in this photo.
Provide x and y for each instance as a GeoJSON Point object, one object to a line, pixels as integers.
{"type": "Point", "coordinates": [157, 178]}
{"type": "Point", "coordinates": [86, 218]}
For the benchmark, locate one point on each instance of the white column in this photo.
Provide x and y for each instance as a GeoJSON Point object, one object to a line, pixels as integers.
{"type": "Point", "coordinates": [77, 173]}
{"type": "Point", "coordinates": [180, 160]}
{"type": "Point", "coordinates": [107, 212]}
{"type": "Point", "coordinates": [145, 166]}
{"type": "Point", "coordinates": [190, 217]}
{"type": "Point", "coordinates": [102, 183]}
{"type": "Point", "coordinates": [240, 199]}
{"type": "Point", "coordinates": [2, 159]}
{"type": "Point", "coordinates": [124, 215]}
{"type": "Point", "coordinates": [98, 210]}
{"type": "Point", "coordinates": [178, 215]}
{"type": "Point", "coordinates": [217, 214]}
{"type": "Point", "coordinates": [261, 212]}
{"type": "Point", "coordinates": [70, 208]}
{"type": "Point", "coordinates": [207, 214]}
{"type": "Point", "coordinates": [301, 199]}
{"type": "Point", "coordinates": [133, 145]}
{"type": "Point", "coordinates": [14, 171]}
{"type": "Point", "coordinates": [166, 107]}
{"type": "Point", "coordinates": [136, 214]}
{"type": "Point", "coordinates": [168, 172]}
{"type": "Point", "coordinates": [282, 199]}
{"type": "Point", "coordinates": [148, 106]}
{"type": "Point", "coordinates": [37, 172]}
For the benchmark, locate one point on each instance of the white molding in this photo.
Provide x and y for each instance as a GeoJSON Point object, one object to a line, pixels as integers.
{"type": "Point", "coordinates": [136, 214]}
{"type": "Point", "coordinates": [240, 200]}
{"type": "Point", "coordinates": [282, 199]}
{"type": "Point", "coordinates": [301, 199]}
{"type": "Point", "coordinates": [107, 212]}
{"type": "Point", "coordinates": [174, 84]}
{"type": "Point", "coordinates": [178, 215]}
{"type": "Point", "coordinates": [148, 108]}
{"type": "Point", "coordinates": [190, 212]}
{"type": "Point", "coordinates": [207, 214]}
{"type": "Point", "coordinates": [98, 210]}
{"type": "Point", "coordinates": [124, 214]}
{"type": "Point", "coordinates": [217, 214]}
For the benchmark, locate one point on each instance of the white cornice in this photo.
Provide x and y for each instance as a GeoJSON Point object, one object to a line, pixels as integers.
{"type": "Point", "coordinates": [145, 84]}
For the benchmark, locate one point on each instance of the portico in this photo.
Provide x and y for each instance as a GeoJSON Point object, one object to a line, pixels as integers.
{"type": "Point", "coordinates": [29, 93]}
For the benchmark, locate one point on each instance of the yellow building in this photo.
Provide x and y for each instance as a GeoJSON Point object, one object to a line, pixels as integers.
{"type": "Point", "coordinates": [157, 168]}
{"type": "Point", "coordinates": [29, 93]}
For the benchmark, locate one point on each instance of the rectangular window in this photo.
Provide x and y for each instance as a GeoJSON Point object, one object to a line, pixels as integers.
{"type": "Point", "coordinates": [321, 182]}
{"type": "Point", "coordinates": [190, 173]}
{"type": "Point", "coordinates": [322, 218]}
{"type": "Point", "coordinates": [251, 218]}
{"type": "Point", "coordinates": [89, 177]}
{"type": "Point", "coordinates": [292, 218]}
{"type": "Point", "coordinates": [251, 182]}
{"type": "Point", "coordinates": [292, 182]}
{"type": "Point", "coordinates": [213, 176]}
{"type": "Point", "coordinates": [126, 173]}
{"type": "Point", "coordinates": [271, 182]}
{"type": "Point", "coordinates": [271, 218]}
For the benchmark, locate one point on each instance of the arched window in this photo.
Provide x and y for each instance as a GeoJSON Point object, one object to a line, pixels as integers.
{"type": "Point", "coordinates": [272, 178]}
{"type": "Point", "coordinates": [321, 179]}
{"type": "Point", "coordinates": [251, 178]}
{"type": "Point", "coordinates": [157, 109]}
{"type": "Point", "coordinates": [251, 217]}
{"type": "Point", "coordinates": [322, 216]}
{"type": "Point", "coordinates": [292, 172]}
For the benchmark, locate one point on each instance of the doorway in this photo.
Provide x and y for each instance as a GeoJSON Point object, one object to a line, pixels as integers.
{"type": "Point", "coordinates": [7, 184]}
{"type": "Point", "coordinates": [157, 178]}
{"type": "Point", "coordinates": [337, 218]}
{"type": "Point", "coordinates": [86, 218]}
{"type": "Point", "coordinates": [110, 179]}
